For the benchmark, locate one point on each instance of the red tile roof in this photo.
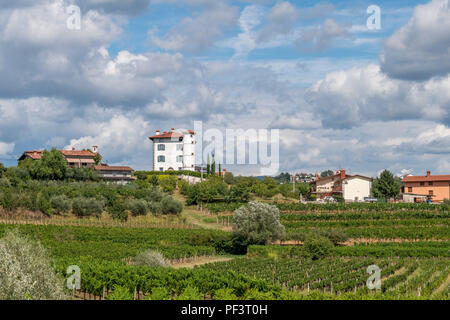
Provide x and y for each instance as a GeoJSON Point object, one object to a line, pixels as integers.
{"type": "Point", "coordinates": [112, 168]}
{"type": "Point", "coordinates": [77, 153]}
{"type": "Point", "coordinates": [167, 135]}
{"type": "Point", "coordinates": [426, 178]}
{"type": "Point", "coordinates": [36, 155]}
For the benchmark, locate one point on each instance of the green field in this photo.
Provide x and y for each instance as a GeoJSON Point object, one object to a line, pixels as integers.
{"type": "Point", "coordinates": [413, 257]}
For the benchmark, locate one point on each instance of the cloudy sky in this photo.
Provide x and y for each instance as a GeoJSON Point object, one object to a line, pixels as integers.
{"type": "Point", "coordinates": [342, 95]}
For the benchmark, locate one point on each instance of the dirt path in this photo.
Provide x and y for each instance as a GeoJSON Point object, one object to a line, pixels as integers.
{"type": "Point", "coordinates": [200, 261]}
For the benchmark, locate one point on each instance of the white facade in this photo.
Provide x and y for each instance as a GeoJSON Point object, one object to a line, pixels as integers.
{"type": "Point", "coordinates": [356, 188]}
{"type": "Point", "coordinates": [173, 151]}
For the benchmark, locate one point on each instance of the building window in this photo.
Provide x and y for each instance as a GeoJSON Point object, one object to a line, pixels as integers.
{"type": "Point", "coordinates": [430, 183]}
{"type": "Point", "coordinates": [422, 184]}
{"type": "Point", "coordinates": [179, 147]}
{"type": "Point", "coordinates": [161, 159]}
{"type": "Point", "coordinates": [179, 158]}
{"type": "Point", "coordinates": [161, 147]}
{"type": "Point", "coordinates": [409, 189]}
{"type": "Point", "coordinates": [161, 169]}
{"type": "Point", "coordinates": [430, 192]}
{"type": "Point", "coordinates": [180, 168]}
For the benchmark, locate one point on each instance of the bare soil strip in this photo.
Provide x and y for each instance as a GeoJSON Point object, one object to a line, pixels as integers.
{"type": "Point", "coordinates": [200, 261]}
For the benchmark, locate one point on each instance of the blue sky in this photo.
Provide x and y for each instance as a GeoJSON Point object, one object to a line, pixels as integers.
{"type": "Point", "coordinates": [340, 94]}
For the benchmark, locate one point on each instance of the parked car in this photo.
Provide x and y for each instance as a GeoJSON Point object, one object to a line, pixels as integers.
{"type": "Point", "coordinates": [329, 199]}
{"type": "Point", "coordinates": [369, 199]}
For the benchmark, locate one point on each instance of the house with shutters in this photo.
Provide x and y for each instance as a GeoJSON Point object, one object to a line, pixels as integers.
{"type": "Point", "coordinates": [74, 158]}
{"type": "Point", "coordinates": [173, 151]}
{"type": "Point", "coordinates": [435, 188]}
{"type": "Point", "coordinates": [353, 188]}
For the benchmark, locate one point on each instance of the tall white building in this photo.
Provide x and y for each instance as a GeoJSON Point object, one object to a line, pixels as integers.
{"type": "Point", "coordinates": [173, 150]}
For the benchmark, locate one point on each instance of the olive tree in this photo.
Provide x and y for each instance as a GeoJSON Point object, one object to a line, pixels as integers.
{"type": "Point", "coordinates": [25, 270]}
{"type": "Point", "coordinates": [258, 223]}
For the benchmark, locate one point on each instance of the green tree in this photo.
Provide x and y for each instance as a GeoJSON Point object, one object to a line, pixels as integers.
{"type": "Point", "coordinates": [208, 166]}
{"type": "Point", "coordinates": [2, 169]}
{"type": "Point", "coordinates": [97, 158]}
{"type": "Point", "coordinates": [213, 165]}
{"type": "Point", "coordinates": [153, 180]}
{"type": "Point", "coordinates": [26, 271]}
{"type": "Point", "coordinates": [386, 186]}
{"type": "Point", "coordinates": [228, 178]}
{"type": "Point", "coordinates": [326, 173]}
{"type": "Point", "coordinates": [258, 223]}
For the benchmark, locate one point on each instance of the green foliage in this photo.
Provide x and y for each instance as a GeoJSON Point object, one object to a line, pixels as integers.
{"type": "Point", "coordinates": [118, 211]}
{"type": "Point", "coordinates": [137, 207]}
{"type": "Point", "coordinates": [258, 222]}
{"type": "Point", "coordinates": [26, 271]}
{"type": "Point", "coordinates": [318, 247]}
{"type": "Point", "coordinates": [2, 169]}
{"type": "Point", "coordinates": [386, 186]}
{"type": "Point", "coordinates": [158, 293]}
{"type": "Point", "coordinates": [43, 204]}
{"type": "Point", "coordinates": [190, 293]}
{"type": "Point", "coordinates": [120, 293]}
{"type": "Point", "coordinates": [84, 207]}
{"type": "Point", "coordinates": [60, 203]}
{"type": "Point", "coordinates": [228, 178]}
{"type": "Point", "coordinates": [167, 183]}
{"type": "Point", "coordinates": [97, 158]}
{"type": "Point", "coordinates": [326, 173]}
{"type": "Point", "coordinates": [150, 258]}
{"type": "Point", "coordinates": [171, 206]}
{"type": "Point", "coordinates": [225, 294]}
{"type": "Point", "coordinates": [153, 180]}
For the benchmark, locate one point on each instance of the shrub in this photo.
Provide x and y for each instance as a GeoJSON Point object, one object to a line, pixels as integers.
{"type": "Point", "coordinates": [150, 258]}
{"type": "Point", "coordinates": [43, 204]}
{"type": "Point", "coordinates": [167, 183]}
{"type": "Point", "coordinates": [153, 180]}
{"type": "Point", "coordinates": [318, 247]}
{"type": "Point", "coordinates": [137, 207]}
{"type": "Point", "coordinates": [4, 182]}
{"type": "Point", "coordinates": [258, 222]}
{"type": "Point", "coordinates": [25, 270]}
{"type": "Point", "coordinates": [335, 236]}
{"type": "Point", "coordinates": [171, 206]}
{"type": "Point", "coordinates": [8, 200]}
{"type": "Point", "coordinates": [190, 293]}
{"type": "Point", "coordinates": [117, 211]}
{"type": "Point", "coordinates": [84, 207]}
{"type": "Point", "coordinates": [225, 294]}
{"type": "Point", "coordinates": [158, 293]}
{"type": "Point", "coordinates": [155, 208]}
{"type": "Point", "coordinates": [255, 294]}
{"type": "Point", "coordinates": [60, 204]}
{"type": "Point", "coordinates": [120, 293]}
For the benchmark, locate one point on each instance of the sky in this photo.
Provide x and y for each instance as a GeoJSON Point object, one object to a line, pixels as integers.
{"type": "Point", "coordinates": [341, 94]}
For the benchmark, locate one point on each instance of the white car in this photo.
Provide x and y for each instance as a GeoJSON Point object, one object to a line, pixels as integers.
{"type": "Point", "coordinates": [329, 199]}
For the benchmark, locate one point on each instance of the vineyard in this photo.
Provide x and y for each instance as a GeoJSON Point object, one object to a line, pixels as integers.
{"type": "Point", "coordinates": [409, 243]}
{"type": "Point", "coordinates": [342, 275]}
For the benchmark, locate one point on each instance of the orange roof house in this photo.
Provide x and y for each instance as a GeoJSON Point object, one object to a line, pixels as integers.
{"type": "Point", "coordinates": [350, 187]}
{"type": "Point", "coordinates": [434, 187]}
{"type": "Point", "coordinates": [74, 158]}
